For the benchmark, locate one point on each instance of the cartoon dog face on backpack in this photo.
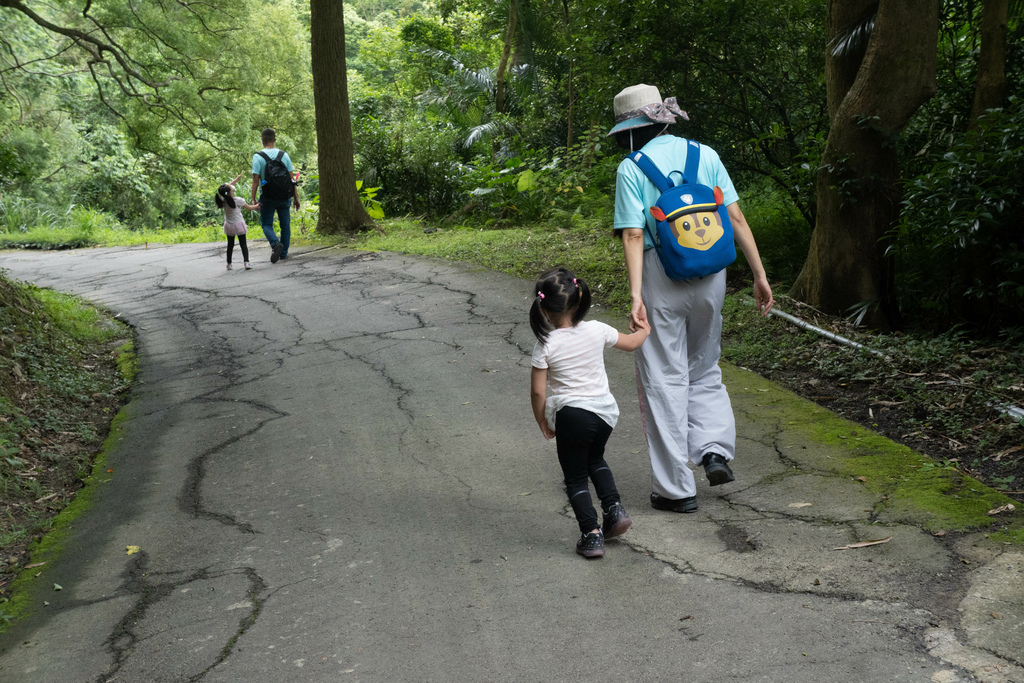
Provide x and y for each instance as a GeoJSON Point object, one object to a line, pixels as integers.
{"type": "Point", "coordinates": [696, 229]}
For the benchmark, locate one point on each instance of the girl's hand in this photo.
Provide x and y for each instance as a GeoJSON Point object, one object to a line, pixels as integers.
{"type": "Point", "coordinates": [547, 431]}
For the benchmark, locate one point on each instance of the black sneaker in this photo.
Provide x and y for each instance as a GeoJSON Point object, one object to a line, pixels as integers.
{"type": "Point", "coordinates": [716, 468]}
{"type": "Point", "coordinates": [591, 545]}
{"type": "Point", "coordinates": [616, 521]}
{"type": "Point", "coordinates": [275, 253]}
{"type": "Point", "coordinates": [659, 502]}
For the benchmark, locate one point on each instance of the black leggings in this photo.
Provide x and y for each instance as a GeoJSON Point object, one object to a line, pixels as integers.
{"type": "Point", "coordinates": [580, 438]}
{"type": "Point", "coordinates": [241, 243]}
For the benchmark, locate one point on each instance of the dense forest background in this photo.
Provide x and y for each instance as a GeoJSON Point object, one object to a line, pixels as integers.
{"type": "Point", "coordinates": [126, 115]}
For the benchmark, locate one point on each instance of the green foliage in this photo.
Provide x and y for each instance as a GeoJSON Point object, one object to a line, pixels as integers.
{"type": "Point", "coordinates": [960, 245]}
{"type": "Point", "coordinates": [414, 165]}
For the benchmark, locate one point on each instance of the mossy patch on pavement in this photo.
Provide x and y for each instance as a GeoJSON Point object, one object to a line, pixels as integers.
{"type": "Point", "coordinates": [915, 489]}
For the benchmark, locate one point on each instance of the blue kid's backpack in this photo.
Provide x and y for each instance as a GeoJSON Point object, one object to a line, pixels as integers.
{"type": "Point", "coordinates": [694, 236]}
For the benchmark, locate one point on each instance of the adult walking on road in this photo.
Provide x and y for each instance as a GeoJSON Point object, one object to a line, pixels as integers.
{"type": "Point", "coordinates": [686, 411]}
{"type": "Point", "coordinates": [272, 171]}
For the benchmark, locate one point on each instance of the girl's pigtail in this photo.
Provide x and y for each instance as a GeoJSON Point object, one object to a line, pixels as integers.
{"type": "Point", "coordinates": [218, 200]}
{"type": "Point", "coordinates": [538, 323]}
{"type": "Point", "coordinates": [584, 301]}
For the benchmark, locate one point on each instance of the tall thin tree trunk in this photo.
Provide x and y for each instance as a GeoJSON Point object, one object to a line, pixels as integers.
{"type": "Point", "coordinates": [990, 88]}
{"type": "Point", "coordinates": [858, 184]}
{"type": "Point", "coordinates": [499, 80]}
{"type": "Point", "coordinates": [340, 206]}
{"type": "Point", "coordinates": [568, 38]}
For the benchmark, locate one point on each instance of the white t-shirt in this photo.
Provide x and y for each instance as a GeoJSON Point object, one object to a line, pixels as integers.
{"type": "Point", "coordinates": [574, 358]}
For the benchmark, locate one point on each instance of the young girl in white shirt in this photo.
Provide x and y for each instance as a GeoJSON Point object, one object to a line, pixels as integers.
{"type": "Point", "coordinates": [572, 402]}
{"type": "Point", "coordinates": [234, 222]}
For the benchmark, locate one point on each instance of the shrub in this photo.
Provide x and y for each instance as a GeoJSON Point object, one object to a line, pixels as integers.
{"type": "Point", "coordinates": [959, 245]}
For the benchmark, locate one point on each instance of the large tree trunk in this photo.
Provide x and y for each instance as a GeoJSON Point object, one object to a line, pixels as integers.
{"type": "Point", "coordinates": [990, 88]}
{"type": "Point", "coordinates": [858, 184]}
{"type": "Point", "coordinates": [340, 207]}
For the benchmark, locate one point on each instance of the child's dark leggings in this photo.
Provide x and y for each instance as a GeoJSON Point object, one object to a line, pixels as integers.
{"type": "Point", "coordinates": [580, 437]}
{"type": "Point", "coordinates": [241, 243]}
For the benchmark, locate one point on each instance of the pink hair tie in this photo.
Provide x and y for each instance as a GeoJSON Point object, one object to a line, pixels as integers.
{"type": "Point", "coordinates": [540, 294]}
{"type": "Point", "coordinates": [576, 283]}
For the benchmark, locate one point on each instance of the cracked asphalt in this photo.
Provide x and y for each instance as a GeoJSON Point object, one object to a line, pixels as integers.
{"type": "Point", "coordinates": [332, 471]}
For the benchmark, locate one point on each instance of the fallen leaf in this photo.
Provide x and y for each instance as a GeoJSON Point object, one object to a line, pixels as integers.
{"type": "Point", "coordinates": [1009, 507]}
{"type": "Point", "coordinates": [33, 566]}
{"type": "Point", "coordinates": [110, 470]}
{"type": "Point", "coordinates": [940, 532]}
{"type": "Point", "coordinates": [58, 587]}
{"type": "Point", "coordinates": [865, 544]}
{"type": "Point", "coordinates": [526, 494]}
{"type": "Point", "coordinates": [996, 615]}
{"type": "Point", "coordinates": [864, 479]}
{"type": "Point", "coordinates": [132, 549]}
{"type": "Point", "coordinates": [800, 505]}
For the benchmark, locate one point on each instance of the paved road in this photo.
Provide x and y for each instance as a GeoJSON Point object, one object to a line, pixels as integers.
{"type": "Point", "coordinates": [331, 468]}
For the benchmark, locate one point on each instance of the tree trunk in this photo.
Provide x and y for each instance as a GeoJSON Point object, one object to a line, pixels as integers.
{"type": "Point", "coordinates": [568, 40]}
{"type": "Point", "coordinates": [499, 79]}
{"type": "Point", "coordinates": [990, 88]}
{"type": "Point", "coordinates": [340, 207]}
{"type": "Point", "coordinates": [858, 183]}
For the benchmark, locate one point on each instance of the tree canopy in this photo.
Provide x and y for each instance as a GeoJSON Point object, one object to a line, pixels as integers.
{"type": "Point", "coordinates": [494, 114]}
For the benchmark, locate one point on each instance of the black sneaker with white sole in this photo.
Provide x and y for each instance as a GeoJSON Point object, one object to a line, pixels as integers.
{"type": "Point", "coordinates": [591, 545]}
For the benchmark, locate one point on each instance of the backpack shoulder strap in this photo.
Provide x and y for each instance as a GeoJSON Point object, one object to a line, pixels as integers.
{"type": "Point", "coordinates": [280, 153]}
{"type": "Point", "coordinates": [692, 162]}
{"type": "Point", "coordinates": [264, 155]}
{"type": "Point", "coordinates": [651, 170]}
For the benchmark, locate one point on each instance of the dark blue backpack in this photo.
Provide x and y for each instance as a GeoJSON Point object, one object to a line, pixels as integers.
{"type": "Point", "coordinates": [694, 234]}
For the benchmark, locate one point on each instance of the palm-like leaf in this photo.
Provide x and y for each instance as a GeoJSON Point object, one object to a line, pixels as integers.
{"type": "Point", "coordinates": [854, 39]}
{"type": "Point", "coordinates": [489, 130]}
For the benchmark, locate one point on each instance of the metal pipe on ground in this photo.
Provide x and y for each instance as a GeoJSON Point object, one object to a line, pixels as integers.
{"type": "Point", "coordinates": [1013, 411]}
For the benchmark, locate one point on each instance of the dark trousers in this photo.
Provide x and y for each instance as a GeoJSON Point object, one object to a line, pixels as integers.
{"type": "Point", "coordinates": [282, 207]}
{"type": "Point", "coordinates": [580, 438]}
{"type": "Point", "coordinates": [241, 243]}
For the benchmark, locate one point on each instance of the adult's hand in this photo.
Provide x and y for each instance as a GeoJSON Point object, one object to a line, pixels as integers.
{"type": "Point", "coordinates": [763, 295]}
{"type": "Point", "coordinates": [637, 314]}
{"type": "Point", "coordinates": [295, 203]}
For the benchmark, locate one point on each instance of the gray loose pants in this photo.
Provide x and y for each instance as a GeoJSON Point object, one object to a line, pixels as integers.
{"type": "Point", "coordinates": [684, 405]}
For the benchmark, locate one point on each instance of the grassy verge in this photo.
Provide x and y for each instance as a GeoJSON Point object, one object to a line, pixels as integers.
{"type": "Point", "coordinates": [65, 371]}
{"type": "Point", "coordinates": [524, 252]}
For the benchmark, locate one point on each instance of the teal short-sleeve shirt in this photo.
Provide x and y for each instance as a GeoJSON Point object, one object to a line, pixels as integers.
{"type": "Point", "coordinates": [634, 193]}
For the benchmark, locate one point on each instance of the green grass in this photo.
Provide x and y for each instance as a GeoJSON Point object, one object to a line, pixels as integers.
{"type": "Point", "coordinates": [591, 253]}
{"type": "Point", "coordinates": [77, 319]}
